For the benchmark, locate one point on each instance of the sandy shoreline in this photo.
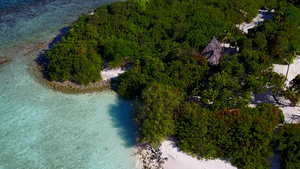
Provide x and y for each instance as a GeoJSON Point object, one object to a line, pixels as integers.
{"type": "Point", "coordinates": [179, 160]}
{"type": "Point", "coordinates": [108, 76]}
{"type": "Point", "coordinates": [36, 48]}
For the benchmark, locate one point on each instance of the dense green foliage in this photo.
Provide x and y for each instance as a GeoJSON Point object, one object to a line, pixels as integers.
{"type": "Point", "coordinates": [71, 61]}
{"type": "Point", "coordinates": [185, 73]}
{"type": "Point", "coordinates": [140, 30]}
{"type": "Point", "coordinates": [278, 37]}
{"type": "Point", "coordinates": [243, 136]}
{"type": "Point", "coordinates": [163, 39]}
{"type": "Point", "coordinates": [289, 146]}
{"type": "Point", "coordinates": [155, 111]}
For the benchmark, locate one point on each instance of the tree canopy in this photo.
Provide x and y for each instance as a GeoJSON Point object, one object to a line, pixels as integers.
{"type": "Point", "coordinates": [162, 39]}
{"type": "Point", "coordinates": [241, 135]}
{"type": "Point", "coordinates": [154, 112]}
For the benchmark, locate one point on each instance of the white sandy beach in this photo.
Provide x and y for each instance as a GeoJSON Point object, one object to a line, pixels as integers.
{"type": "Point", "coordinates": [180, 160]}
{"type": "Point", "coordinates": [108, 74]}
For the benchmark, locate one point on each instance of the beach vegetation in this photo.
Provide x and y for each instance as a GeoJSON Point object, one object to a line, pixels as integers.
{"type": "Point", "coordinates": [154, 112]}
{"type": "Point", "coordinates": [242, 136]}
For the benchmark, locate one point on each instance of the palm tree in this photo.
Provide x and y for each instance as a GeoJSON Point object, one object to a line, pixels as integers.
{"type": "Point", "coordinates": [243, 15]}
{"type": "Point", "coordinates": [228, 37]}
{"type": "Point", "coordinates": [294, 54]}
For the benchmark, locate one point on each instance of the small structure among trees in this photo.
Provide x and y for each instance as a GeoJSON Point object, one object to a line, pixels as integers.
{"type": "Point", "coordinates": [214, 50]}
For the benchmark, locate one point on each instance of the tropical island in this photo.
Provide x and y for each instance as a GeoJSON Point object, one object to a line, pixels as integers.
{"type": "Point", "coordinates": [193, 73]}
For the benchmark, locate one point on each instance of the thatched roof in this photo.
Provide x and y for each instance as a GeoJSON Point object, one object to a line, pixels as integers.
{"type": "Point", "coordinates": [213, 51]}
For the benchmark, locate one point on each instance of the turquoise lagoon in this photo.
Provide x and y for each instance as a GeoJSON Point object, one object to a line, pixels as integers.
{"type": "Point", "coordinates": [41, 128]}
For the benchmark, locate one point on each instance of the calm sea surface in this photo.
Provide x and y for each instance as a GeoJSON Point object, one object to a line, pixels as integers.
{"type": "Point", "coordinates": [40, 128]}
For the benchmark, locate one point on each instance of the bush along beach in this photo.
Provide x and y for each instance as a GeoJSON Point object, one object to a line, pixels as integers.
{"type": "Point", "coordinates": [193, 71]}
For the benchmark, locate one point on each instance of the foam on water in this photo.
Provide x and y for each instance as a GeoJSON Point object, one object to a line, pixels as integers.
{"type": "Point", "coordinates": [40, 128]}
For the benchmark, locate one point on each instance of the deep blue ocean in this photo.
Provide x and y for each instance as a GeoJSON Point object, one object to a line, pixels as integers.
{"type": "Point", "coordinates": [41, 128]}
{"type": "Point", "coordinates": [21, 20]}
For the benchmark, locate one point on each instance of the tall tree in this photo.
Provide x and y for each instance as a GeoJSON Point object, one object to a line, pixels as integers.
{"type": "Point", "coordinates": [293, 55]}
{"type": "Point", "coordinates": [154, 112]}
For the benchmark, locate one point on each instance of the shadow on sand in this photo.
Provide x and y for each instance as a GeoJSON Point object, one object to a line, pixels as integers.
{"type": "Point", "coordinates": [122, 120]}
{"type": "Point", "coordinates": [267, 97]}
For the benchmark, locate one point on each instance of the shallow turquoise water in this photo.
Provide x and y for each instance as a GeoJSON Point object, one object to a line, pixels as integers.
{"type": "Point", "coordinates": [40, 128]}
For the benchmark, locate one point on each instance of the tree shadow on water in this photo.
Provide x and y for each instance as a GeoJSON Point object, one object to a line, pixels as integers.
{"type": "Point", "coordinates": [58, 38]}
{"type": "Point", "coordinates": [41, 60]}
{"type": "Point", "coordinates": [122, 120]}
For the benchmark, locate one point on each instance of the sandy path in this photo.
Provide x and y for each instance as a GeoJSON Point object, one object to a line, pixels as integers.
{"type": "Point", "coordinates": [263, 15]}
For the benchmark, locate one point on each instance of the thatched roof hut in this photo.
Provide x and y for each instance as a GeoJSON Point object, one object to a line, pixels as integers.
{"type": "Point", "coordinates": [213, 51]}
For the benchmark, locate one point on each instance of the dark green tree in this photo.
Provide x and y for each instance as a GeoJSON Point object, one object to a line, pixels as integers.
{"type": "Point", "coordinates": [154, 113]}
{"type": "Point", "coordinates": [289, 146]}
{"type": "Point", "coordinates": [242, 135]}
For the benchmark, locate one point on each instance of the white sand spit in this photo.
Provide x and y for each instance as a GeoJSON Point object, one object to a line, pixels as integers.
{"type": "Point", "coordinates": [111, 73]}
{"type": "Point", "coordinates": [180, 160]}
